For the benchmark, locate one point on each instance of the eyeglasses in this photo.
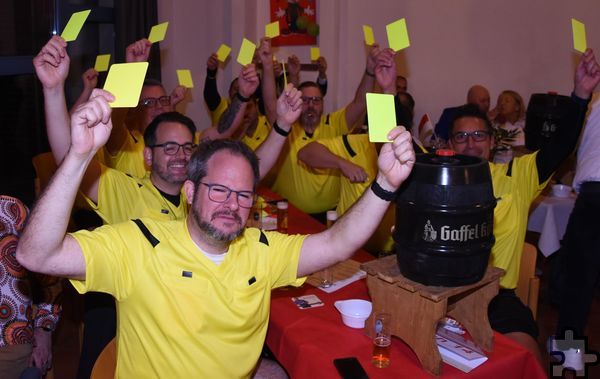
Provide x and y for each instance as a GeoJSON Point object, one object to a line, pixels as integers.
{"type": "Point", "coordinates": [150, 102]}
{"type": "Point", "coordinates": [220, 194]}
{"type": "Point", "coordinates": [477, 135]}
{"type": "Point", "coordinates": [172, 148]}
{"type": "Point", "coordinates": [316, 100]}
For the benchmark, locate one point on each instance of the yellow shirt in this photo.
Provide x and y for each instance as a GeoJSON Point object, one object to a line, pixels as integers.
{"type": "Point", "coordinates": [122, 198]}
{"type": "Point", "coordinates": [130, 158]}
{"type": "Point", "coordinates": [260, 133]}
{"type": "Point", "coordinates": [311, 190]}
{"type": "Point", "coordinates": [218, 112]}
{"type": "Point", "coordinates": [514, 195]}
{"type": "Point", "coordinates": [178, 314]}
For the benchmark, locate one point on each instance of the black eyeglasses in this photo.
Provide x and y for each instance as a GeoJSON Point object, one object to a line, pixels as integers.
{"type": "Point", "coordinates": [220, 194]}
{"type": "Point", "coordinates": [172, 148]}
{"type": "Point", "coordinates": [312, 99]}
{"type": "Point", "coordinates": [477, 135]}
{"type": "Point", "coordinates": [150, 102]}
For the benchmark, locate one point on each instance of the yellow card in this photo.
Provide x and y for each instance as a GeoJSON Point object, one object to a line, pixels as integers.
{"type": "Point", "coordinates": [158, 32]}
{"type": "Point", "coordinates": [246, 52]}
{"type": "Point", "coordinates": [272, 29]}
{"type": "Point", "coordinates": [579, 40]}
{"type": "Point", "coordinates": [102, 62]}
{"type": "Point", "coordinates": [382, 116]}
{"type": "Point", "coordinates": [125, 82]}
{"type": "Point", "coordinates": [369, 37]}
{"type": "Point", "coordinates": [398, 35]}
{"type": "Point", "coordinates": [284, 73]}
{"type": "Point", "coordinates": [71, 31]}
{"type": "Point", "coordinates": [185, 78]}
{"type": "Point", "coordinates": [223, 52]}
{"type": "Point", "coordinates": [315, 53]}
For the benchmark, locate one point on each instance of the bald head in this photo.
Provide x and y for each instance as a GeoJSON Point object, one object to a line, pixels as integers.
{"type": "Point", "coordinates": [479, 96]}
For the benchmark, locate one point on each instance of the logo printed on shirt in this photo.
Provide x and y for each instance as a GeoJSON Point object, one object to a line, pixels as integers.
{"type": "Point", "coordinates": [186, 274]}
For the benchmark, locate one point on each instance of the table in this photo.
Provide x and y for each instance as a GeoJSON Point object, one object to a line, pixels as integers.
{"type": "Point", "coordinates": [549, 216]}
{"type": "Point", "coordinates": [305, 341]}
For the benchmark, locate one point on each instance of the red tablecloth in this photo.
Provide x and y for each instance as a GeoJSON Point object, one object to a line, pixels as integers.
{"type": "Point", "coordinates": [306, 341]}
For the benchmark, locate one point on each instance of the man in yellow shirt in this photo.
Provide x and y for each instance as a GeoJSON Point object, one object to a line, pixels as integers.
{"type": "Point", "coordinates": [193, 296]}
{"type": "Point", "coordinates": [516, 184]}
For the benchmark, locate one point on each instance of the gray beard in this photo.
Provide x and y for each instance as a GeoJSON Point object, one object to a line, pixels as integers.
{"type": "Point", "coordinates": [214, 233]}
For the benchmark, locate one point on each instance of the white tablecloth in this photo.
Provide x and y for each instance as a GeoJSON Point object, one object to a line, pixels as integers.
{"type": "Point", "coordinates": [549, 216]}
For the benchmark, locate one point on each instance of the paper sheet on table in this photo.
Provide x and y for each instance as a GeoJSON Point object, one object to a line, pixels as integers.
{"type": "Point", "coordinates": [369, 37]}
{"type": "Point", "coordinates": [246, 52]}
{"type": "Point", "coordinates": [158, 32]}
{"type": "Point", "coordinates": [344, 273]}
{"type": "Point", "coordinates": [272, 29]}
{"type": "Point", "coordinates": [382, 116]}
{"type": "Point", "coordinates": [102, 62]}
{"type": "Point", "coordinates": [185, 78]}
{"type": "Point", "coordinates": [397, 34]}
{"type": "Point", "coordinates": [223, 52]}
{"type": "Point", "coordinates": [71, 31]}
{"type": "Point", "coordinates": [579, 40]}
{"type": "Point", "coordinates": [315, 53]}
{"type": "Point", "coordinates": [125, 82]}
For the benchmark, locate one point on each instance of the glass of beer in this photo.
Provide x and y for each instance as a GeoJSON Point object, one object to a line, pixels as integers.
{"type": "Point", "coordinates": [282, 216]}
{"type": "Point", "coordinates": [327, 280]}
{"type": "Point", "coordinates": [382, 340]}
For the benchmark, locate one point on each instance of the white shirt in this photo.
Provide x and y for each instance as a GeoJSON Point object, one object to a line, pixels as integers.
{"type": "Point", "coordinates": [588, 155]}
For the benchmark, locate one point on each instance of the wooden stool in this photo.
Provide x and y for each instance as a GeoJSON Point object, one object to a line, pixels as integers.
{"type": "Point", "coordinates": [416, 308]}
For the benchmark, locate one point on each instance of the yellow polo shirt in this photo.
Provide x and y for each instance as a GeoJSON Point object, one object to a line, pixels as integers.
{"type": "Point", "coordinates": [178, 314]}
{"type": "Point", "coordinates": [260, 134]}
{"type": "Point", "coordinates": [130, 158]}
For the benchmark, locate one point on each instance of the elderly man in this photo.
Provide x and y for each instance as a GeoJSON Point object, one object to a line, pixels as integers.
{"type": "Point", "coordinates": [477, 95]}
{"type": "Point", "coordinates": [193, 295]}
{"type": "Point", "coordinates": [516, 184]}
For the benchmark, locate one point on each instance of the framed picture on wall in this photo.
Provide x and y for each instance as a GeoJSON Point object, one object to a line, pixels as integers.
{"type": "Point", "coordinates": [297, 22]}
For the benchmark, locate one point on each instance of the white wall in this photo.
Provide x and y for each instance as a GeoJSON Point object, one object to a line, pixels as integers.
{"type": "Point", "coordinates": [521, 45]}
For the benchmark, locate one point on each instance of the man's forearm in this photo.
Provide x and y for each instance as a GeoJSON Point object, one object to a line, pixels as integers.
{"type": "Point", "coordinates": [57, 122]}
{"type": "Point", "coordinates": [228, 117]}
{"type": "Point", "coordinates": [316, 155]}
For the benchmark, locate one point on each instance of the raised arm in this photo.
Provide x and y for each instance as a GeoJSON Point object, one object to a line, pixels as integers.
{"type": "Point", "coordinates": [356, 108]}
{"type": "Point", "coordinates": [90, 80]}
{"type": "Point", "coordinates": [317, 155]}
{"type": "Point", "coordinates": [587, 77]}
{"type": "Point", "coordinates": [52, 67]}
{"type": "Point", "coordinates": [322, 77]}
{"type": "Point", "coordinates": [211, 92]}
{"type": "Point", "coordinates": [44, 246]}
{"type": "Point", "coordinates": [268, 87]}
{"type": "Point", "coordinates": [350, 232]}
{"type": "Point", "coordinates": [289, 107]}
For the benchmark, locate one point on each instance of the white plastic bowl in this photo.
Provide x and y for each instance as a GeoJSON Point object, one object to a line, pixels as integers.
{"type": "Point", "coordinates": [354, 312]}
{"type": "Point", "coordinates": [561, 190]}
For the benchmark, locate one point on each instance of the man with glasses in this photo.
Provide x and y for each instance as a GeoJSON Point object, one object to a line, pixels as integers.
{"type": "Point", "coordinates": [317, 190]}
{"type": "Point", "coordinates": [193, 295]}
{"type": "Point", "coordinates": [516, 184]}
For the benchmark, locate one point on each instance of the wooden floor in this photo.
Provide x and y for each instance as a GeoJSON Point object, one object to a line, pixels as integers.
{"type": "Point", "coordinates": [66, 343]}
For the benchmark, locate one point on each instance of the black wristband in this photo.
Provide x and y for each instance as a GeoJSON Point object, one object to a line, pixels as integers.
{"type": "Point", "coordinates": [381, 193]}
{"type": "Point", "coordinates": [242, 98]}
{"type": "Point", "coordinates": [369, 74]}
{"type": "Point", "coordinates": [280, 131]}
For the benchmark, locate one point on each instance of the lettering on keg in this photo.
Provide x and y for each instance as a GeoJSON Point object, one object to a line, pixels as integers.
{"type": "Point", "coordinates": [429, 234]}
{"type": "Point", "coordinates": [465, 232]}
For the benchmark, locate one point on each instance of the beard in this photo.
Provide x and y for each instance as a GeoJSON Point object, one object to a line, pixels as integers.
{"type": "Point", "coordinates": [168, 176]}
{"type": "Point", "coordinates": [309, 117]}
{"type": "Point", "coordinates": [214, 233]}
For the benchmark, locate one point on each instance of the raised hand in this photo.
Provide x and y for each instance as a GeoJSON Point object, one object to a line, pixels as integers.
{"type": "Point", "coordinates": [293, 65]}
{"type": "Point", "coordinates": [212, 63]}
{"type": "Point", "coordinates": [264, 52]}
{"type": "Point", "coordinates": [322, 67]}
{"type": "Point", "coordinates": [139, 51]}
{"type": "Point", "coordinates": [396, 159]}
{"type": "Point", "coordinates": [90, 79]}
{"type": "Point", "coordinates": [372, 58]}
{"type": "Point", "coordinates": [177, 95]}
{"type": "Point", "coordinates": [91, 124]}
{"type": "Point", "coordinates": [52, 63]}
{"type": "Point", "coordinates": [289, 106]}
{"type": "Point", "coordinates": [385, 71]}
{"type": "Point", "coordinates": [587, 75]}
{"type": "Point", "coordinates": [248, 80]}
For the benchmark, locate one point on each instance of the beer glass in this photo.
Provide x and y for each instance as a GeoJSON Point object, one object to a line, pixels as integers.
{"type": "Point", "coordinates": [382, 340]}
{"type": "Point", "coordinates": [328, 272]}
{"type": "Point", "coordinates": [282, 216]}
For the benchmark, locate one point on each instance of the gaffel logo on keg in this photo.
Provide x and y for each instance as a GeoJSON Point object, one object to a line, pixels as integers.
{"type": "Point", "coordinates": [462, 234]}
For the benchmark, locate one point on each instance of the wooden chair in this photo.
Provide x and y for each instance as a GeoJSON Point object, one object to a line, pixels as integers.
{"type": "Point", "coordinates": [105, 365]}
{"type": "Point", "coordinates": [528, 286]}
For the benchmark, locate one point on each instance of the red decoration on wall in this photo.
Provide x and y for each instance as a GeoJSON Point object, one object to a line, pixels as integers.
{"type": "Point", "coordinates": [297, 22]}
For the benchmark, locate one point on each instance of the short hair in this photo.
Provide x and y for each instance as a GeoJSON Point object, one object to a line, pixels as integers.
{"type": "Point", "coordinates": [150, 82]}
{"type": "Point", "coordinates": [470, 110]}
{"type": "Point", "coordinates": [150, 132]}
{"type": "Point", "coordinates": [197, 166]}
{"type": "Point", "coordinates": [308, 84]}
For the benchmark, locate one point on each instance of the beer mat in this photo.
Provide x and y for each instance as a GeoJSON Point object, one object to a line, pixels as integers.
{"type": "Point", "coordinates": [307, 301]}
{"type": "Point", "coordinates": [458, 351]}
{"type": "Point", "coordinates": [344, 273]}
